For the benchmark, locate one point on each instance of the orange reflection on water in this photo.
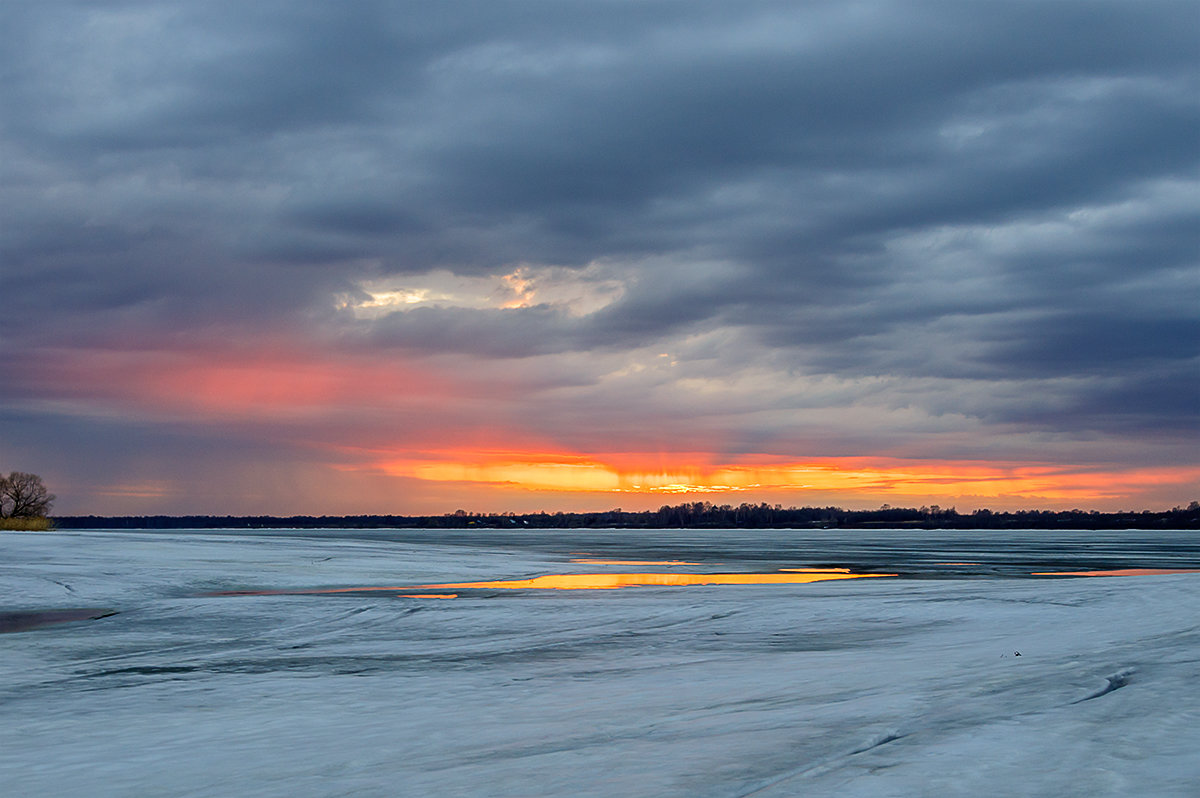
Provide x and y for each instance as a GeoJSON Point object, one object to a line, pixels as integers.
{"type": "Point", "coordinates": [614, 581]}
{"type": "Point", "coordinates": [586, 561]}
{"type": "Point", "coordinates": [815, 570]}
{"type": "Point", "coordinates": [1122, 572]}
{"type": "Point", "coordinates": [573, 582]}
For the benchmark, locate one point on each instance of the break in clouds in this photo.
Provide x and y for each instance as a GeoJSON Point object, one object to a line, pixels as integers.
{"type": "Point", "coordinates": [925, 230]}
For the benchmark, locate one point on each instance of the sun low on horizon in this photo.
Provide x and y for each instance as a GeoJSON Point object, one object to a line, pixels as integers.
{"type": "Point", "coordinates": [406, 261]}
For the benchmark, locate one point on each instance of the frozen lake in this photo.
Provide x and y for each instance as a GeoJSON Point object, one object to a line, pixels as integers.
{"type": "Point", "coordinates": [270, 663]}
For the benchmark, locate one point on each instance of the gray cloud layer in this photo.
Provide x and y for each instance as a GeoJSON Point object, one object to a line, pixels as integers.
{"type": "Point", "coordinates": [939, 191]}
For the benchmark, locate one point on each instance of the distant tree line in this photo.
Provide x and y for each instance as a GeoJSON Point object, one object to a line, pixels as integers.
{"type": "Point", "coordinates": [689, 515]}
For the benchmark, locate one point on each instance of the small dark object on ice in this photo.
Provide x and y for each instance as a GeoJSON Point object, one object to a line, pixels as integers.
{"type": "Point", "coordinates": [1016, 653]}
{"type": "Point", "coordinates": [23, 621]}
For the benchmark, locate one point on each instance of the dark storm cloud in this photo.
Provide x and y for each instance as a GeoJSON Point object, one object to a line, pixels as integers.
{"type": "Point", "coordinates": [954, 190]}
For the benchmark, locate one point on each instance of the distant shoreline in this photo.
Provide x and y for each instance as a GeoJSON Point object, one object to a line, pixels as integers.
{"type": "Point", "coordinates": [697, 515]}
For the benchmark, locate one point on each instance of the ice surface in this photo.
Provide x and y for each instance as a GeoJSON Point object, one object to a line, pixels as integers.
{"type": "Point", "coordinates": [900, 686]}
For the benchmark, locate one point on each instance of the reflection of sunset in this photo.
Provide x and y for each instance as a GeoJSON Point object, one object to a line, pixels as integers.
{"type": "Point", "coordinates": [815, 570]}
{"type": "Point", "coordinates": [1122, 572]}
{"type": "Point", "coordinates": [575, 582]}
{"type": "Point", "coordinates": [613, 581]}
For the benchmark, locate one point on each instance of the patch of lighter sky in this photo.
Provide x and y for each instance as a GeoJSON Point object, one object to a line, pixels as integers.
{"type": "Point", "coordinates": [968, 251]}
{"type": "Point", "coordinates": [578, 292]}
{"type": "Point", "coordinates": [508, 59]}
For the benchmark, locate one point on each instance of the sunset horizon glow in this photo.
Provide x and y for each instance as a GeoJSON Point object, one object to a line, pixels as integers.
{"type": "Point", "coordinates": [280, 389]}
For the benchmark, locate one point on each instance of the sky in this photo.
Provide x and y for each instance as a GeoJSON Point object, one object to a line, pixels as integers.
{"type": "Point", "coordinates": [371, 257]}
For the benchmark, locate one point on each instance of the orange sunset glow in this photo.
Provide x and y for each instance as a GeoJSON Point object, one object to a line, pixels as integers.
{"type": "Point", "coordinates": [851, 477]}
{"type": "Point", "coordinates": [462, 450]}
{"type": "Point", "coordinates": [466, 446]}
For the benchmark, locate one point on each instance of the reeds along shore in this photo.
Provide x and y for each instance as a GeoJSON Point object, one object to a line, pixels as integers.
{"type": "Point", "coordinates": [26, 524]}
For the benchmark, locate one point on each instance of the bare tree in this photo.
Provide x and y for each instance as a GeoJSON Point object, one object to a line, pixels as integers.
{"type": "Point", "coordinates": [24, 496]}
